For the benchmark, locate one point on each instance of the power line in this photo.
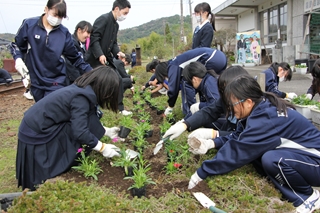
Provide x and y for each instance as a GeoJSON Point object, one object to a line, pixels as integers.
{"type": "Point", "coordinates": [3, 22]}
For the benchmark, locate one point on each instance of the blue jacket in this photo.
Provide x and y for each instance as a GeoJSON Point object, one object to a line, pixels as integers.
{"type": "Point", "coordinates": [203, 37]}
{"type": "Point", "coordinates": [209, 90]}
{"type": "Point", "coordinates": [44, 53]}
{"type": "Point", "coordinates": [210, 58]}
{"type": "Point", "coordinates": [272, 82]}
{"type": "Point", "coordinates": [263, 130]}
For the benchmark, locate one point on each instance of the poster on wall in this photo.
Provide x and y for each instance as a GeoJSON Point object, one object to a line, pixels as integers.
{"type": "Point", "coordinates": [248, 47]}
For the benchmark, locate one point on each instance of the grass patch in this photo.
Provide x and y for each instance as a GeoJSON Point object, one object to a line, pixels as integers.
{"type": "Point", "coordinates": [242, 190]}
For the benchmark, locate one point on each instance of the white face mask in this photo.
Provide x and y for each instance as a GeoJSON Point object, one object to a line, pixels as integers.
{"type": "Point", "coordinates": [198, 18]}
{"type": "Point", "coordinates": [121, 18]}
{"type": "Point", "coordinates": [53, 21]}
{"type": "Point", "coordinates": [281, 79]}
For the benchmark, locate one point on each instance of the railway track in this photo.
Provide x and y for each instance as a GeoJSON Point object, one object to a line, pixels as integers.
{"type": "Point", "coordinates": [17, 84]}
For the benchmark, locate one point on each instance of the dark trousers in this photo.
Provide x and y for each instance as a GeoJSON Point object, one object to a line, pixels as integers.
{"type": "Point", "coordinates": [292, 173]}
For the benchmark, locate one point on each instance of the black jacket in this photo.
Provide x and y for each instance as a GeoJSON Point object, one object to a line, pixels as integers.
{"type": "Point", "coordinates": [103, 40]}
{"type": "Point", "coordinates": [72, 72]}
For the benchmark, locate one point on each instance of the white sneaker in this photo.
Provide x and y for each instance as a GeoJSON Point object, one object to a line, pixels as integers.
{"type": "Point", "coordinates": [311, 204]}
{"type": "Point", "coordinates": [125, 112]}
{"type": "Point", "coordinates": [28, 95]}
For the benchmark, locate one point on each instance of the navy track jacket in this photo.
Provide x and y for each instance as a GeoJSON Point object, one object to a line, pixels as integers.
{"type": "Point", "coordinates": [263, 130]}
{"type": "Point", "coordinates": [44, 53]}
{"type": "Point", "coordinates": [210, 58]}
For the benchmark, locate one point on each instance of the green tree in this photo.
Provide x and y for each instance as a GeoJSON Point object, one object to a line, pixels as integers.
{"type": "Point", "coordinates": [168, 34]}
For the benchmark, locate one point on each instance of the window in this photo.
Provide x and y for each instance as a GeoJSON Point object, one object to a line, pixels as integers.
{"type": "Point", "coordinates": [273, 19]}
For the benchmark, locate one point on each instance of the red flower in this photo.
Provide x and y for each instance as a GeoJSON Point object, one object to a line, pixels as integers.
{"type": "Point", "coordinates": [177, 165]}
{"type": "Point", "coordinates": [171, 151]}
{"type": "Point", "coordinates": [80, 150]}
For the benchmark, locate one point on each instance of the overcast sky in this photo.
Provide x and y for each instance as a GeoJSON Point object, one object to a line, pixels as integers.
{"type": "Point", "coordinates": [12, 12]}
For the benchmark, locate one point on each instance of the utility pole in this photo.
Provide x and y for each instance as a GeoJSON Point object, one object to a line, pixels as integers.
{"type": "Point", "coordinates": [181, 22]}
{"type": "Point", "coordinates": [191, 14]}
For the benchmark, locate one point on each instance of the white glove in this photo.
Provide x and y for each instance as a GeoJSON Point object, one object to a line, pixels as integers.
{"type": "Point", "coordinates": [112, 132]}
{"type": "Point", "coordinates": [194, 107]}
{"type": "Point", "coordinates": [309, 96]}
{"type": "Point", "coordinates": [194, 180]}
{"type": "Point", "coordinates": [182, 120]}
{"type": "Point", "coordinates": [24, 72]}
{"type": "Point", "coordinates": [168, 111]}
{"type": "Point", "coordinates": [205, 133]}
{"type": "Point", "coordinates": [175, 131]}
{"type": "Point", "coordinates": [26, 81]}
{"type": "Point", "coordinates": [291, 95]}
{"type": "Point", "coordinates": [21, 67]}
{"type": "Point", "coordinates": [199, 146]}
{"type": "Point", "coordinates": [107, 150]}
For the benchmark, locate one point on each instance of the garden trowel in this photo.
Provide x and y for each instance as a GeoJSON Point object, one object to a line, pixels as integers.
{"type": "Point", "coordinates": [160, 145]}
{"type": "Point", "coordinates": [207, 202]}
{"type": "Point", "coordinates": [131, 154]}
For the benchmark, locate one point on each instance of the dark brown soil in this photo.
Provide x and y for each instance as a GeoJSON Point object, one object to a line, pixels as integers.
{"type": "Point", "coordinates": [113, 176]}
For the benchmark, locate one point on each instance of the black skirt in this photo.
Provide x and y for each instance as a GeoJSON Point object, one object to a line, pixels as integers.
{"type": "Point", "coordinates": [37, 163]}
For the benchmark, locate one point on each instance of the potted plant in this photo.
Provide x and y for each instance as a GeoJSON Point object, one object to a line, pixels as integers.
{"type": "Point", "coordinates": [140, 179]}
{"type": "Point", "coordinates": [170, 118]}
{"type": "Point", "coordinates": [140, 143]}
{"type": "Point", "coordinates": [160, 109]}
{"type": "Point", "coordinates": [303, 105]}
{"type": "Point", "coordinates": [315, 113]}
{"type": "Point", "coordinates": [126, 124]}
{"type": "Point", "coordinates": [301, 68]}
{"type": "Point", "coordinates": [125, 161]}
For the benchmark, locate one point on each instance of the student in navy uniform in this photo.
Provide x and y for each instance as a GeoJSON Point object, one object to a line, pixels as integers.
{"type": "Point", "coordinates": [127, 80]}
{"type": "Point", "coordinates": [133, 58]}
{"type": "Point", "coordinates": [272, 135]}
{"type": "Point", "coordinates": [278, 72]}
{"type": "Point", "coordinates": [204, 82]}
{"type": "Point", "coordinates": [315, 86]}
{"type": "Point", "coordinates": [81, 34]}
{"type": "Point", "coordinates": [211, 58]}
{"type": "Point", "coordinates": [45, 43]}
{"type": "Point", "coordinates": [103, 42]}
{"type": "Point", "coordinates": [5, 77]}
{"type": "Point", "coordinates": [54, 128]}
{"type": "Point", "coordinates": [203, 33]}
{"type": "Point", "coordinates": [212, 114]}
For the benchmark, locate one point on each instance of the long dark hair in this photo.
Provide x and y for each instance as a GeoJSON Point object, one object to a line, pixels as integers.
{"type": "Point", "coordinates": [246, 87]}
{"type": "Point", "coordinates": [285, 66]}
{"type": "Point", "coordinates": [84, 26]}
{"type": "Point", "coordinates": [105, 84]}
{"type": "Point", "coordinates": [196, 69]}
{"type": "Point", "coordinates": [60, 6]}
{"type": "Point", "coordinates": [161, 71]}
{"type": "Point", "coordinates": [228, 75]}
{"type": "Point", "coordinates": [315, 72]}
{"type": "Point", "coordinates": [205, 7]}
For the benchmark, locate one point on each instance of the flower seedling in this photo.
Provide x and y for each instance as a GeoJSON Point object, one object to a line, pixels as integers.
{"type": "Point", "coordinates": [88, 167]}
{"type": "Point", "coordinates": [140, 177]}
{"type": "Point", "coordinates": [164, 126]}
{"type": "Point", "coordinates": [124, 161]}
{"type": "Point", "coordinates": [303, 100]}
{"type": "Point", "coordinates": [126, 121]}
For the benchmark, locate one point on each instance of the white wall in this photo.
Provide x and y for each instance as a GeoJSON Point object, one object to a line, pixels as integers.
{"type": "Point", "coordinates": [246, 21]}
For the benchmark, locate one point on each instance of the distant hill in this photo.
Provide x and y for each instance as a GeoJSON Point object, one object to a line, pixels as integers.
{"type": "Point", "coordinates": [6, 37]}
{"type": "Point", "coordinates": [144, 30]}
{"type": "Point", "coordinates": [157, 26]}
